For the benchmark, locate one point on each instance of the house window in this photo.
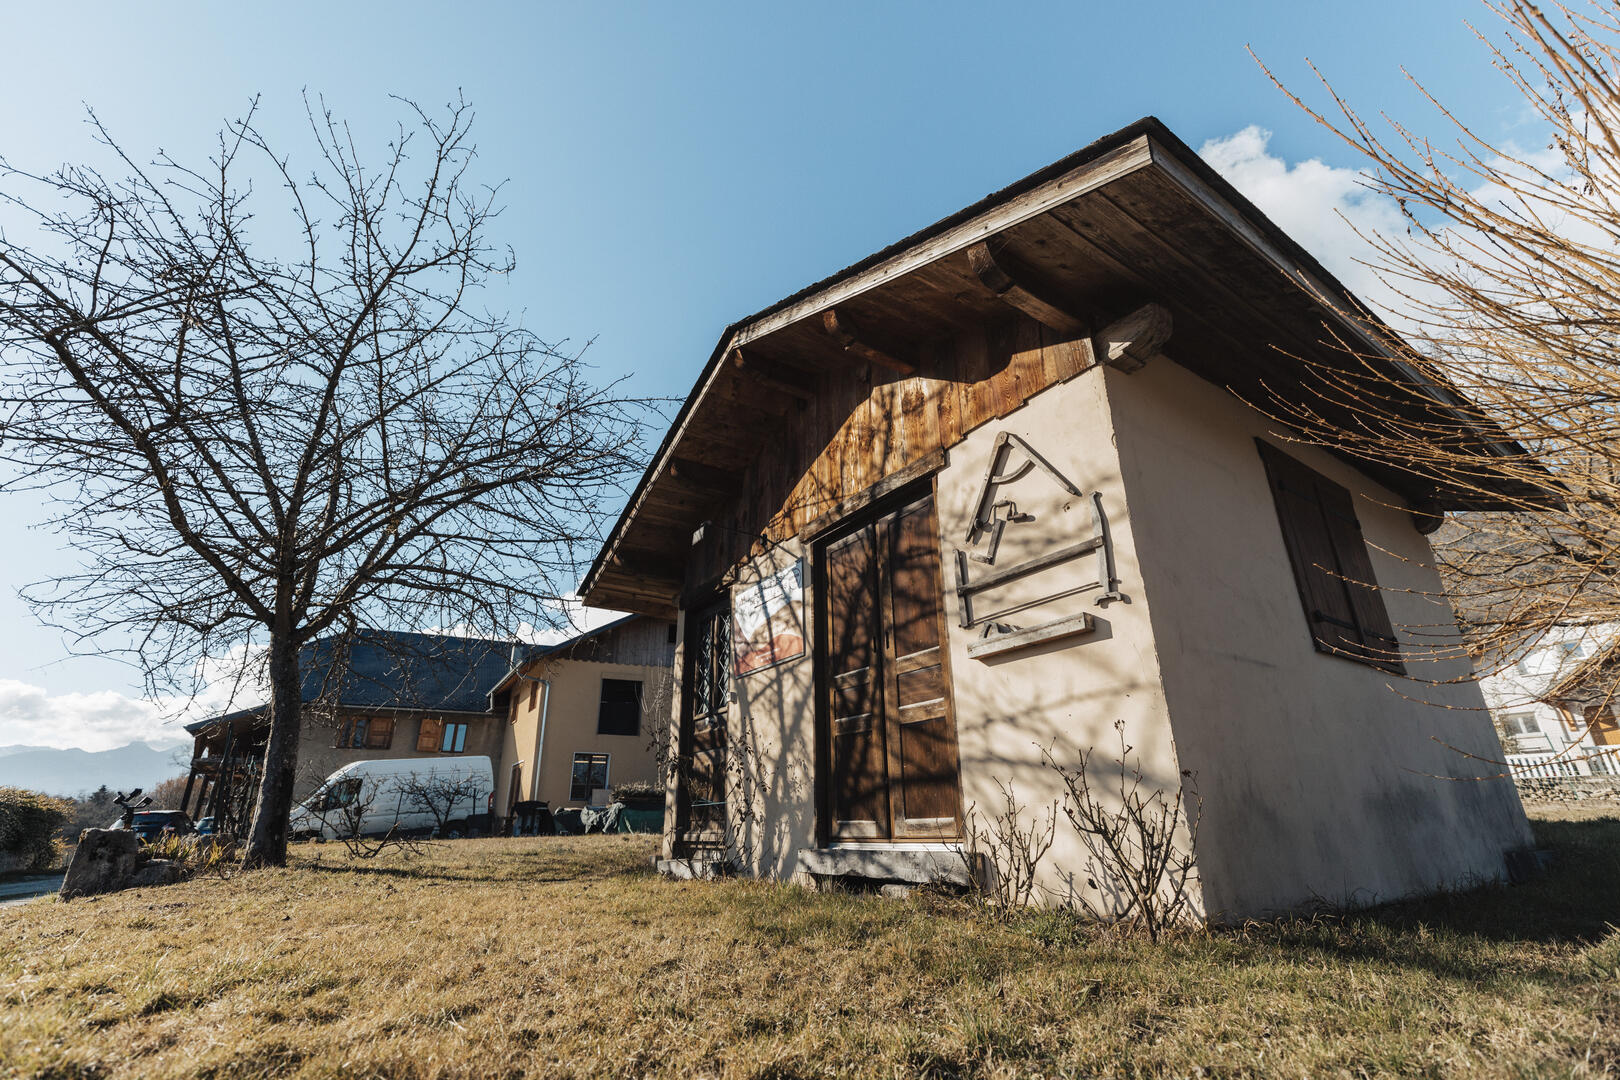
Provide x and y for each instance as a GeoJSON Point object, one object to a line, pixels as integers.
{"type": "Point", "coordinates": [1523, 723]}
{"type": "Point", "coordinates": [620, 710]}
{"type": "Point", "coordinates": [1334, 575]}
{"type": "Point", "coordinates": [534, 694]}
{"type": "Point", "coordinates": [367, 733]}
{"type": "Point", "coordinates": [454, 740]}
{"type": "Point", "coordinates": [427, 740]}
{"type": "Point", "coordinates": [590, 774]}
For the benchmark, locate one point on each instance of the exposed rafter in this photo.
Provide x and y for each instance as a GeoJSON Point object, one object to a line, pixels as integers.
{"type": "Point", "coordinates": [772, 376]}
{"type": "Point", "coordinates": [695, 474]}
{"type": "Point", "coordinates": [1014, 284]}
{"type": "Point", "coordinates": [1133, 340]}
{"type": "Point", "coordinates": [849, 337]}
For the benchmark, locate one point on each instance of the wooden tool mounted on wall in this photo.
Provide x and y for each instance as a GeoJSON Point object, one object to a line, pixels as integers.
{"type": "Point", "coordinates": [1011, 459]}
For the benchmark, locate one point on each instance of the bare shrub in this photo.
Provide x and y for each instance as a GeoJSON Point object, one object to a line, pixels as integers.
{"type": "Point", "coordinates": [1002, 853]}
{"type": "Point", "coordinates": [1139, 871]}
{"type": "Point", "coordinates": [441, 796]}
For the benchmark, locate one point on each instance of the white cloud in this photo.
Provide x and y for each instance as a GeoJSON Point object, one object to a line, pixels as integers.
{"type": "Point", "coordinates": [575, 618]}
{"type": "Point", "coordinates": [1306, 200]}
{"type": "Point", "coordinates": [31, 716]}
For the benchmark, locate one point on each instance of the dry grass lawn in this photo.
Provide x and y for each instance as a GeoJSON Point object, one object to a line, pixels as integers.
{"type": "Point", "coordinates": [567, 957]}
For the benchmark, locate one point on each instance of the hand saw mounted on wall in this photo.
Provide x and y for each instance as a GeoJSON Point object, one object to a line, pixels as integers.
{"type": "Point", "coordinates": [1011, 458]}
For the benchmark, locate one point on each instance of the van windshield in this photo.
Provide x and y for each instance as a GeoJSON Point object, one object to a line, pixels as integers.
{"type": "Point", "coordinates": [335, 796]}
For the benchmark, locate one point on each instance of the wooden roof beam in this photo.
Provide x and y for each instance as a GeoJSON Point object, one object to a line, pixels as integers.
{"type": "Point", "coordinates": [1132, 341]}
{"type": "Point", "coordinates": [705, 477]}
{"type": "Point", "coordinates": [1014, 284]}
{"type": "Point", "coordinates": [850, 338]}
{"type": "Point", "coordinates": [650, 569]}
{"type": "Point", "coordinates": [772, 376]}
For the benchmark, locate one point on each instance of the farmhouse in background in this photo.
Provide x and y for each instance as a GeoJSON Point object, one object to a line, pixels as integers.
{"type": "Point", "coordinates": [401, 695]}
{"type": "Point", "coordinates": [995, 488]}
{"type": "Point", "coordinates": [1554, 706]}
{"type": "Point", "coordinates": [378, 694]}
{"type": "Point", "coordinates": [584, 716]}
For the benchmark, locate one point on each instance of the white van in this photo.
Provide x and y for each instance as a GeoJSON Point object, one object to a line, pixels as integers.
{"type": "Point", "coordinates": [448, 795]}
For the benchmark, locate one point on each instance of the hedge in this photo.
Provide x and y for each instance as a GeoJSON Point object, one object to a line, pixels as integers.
{"type": "Point", "coordinates": [28, 824]}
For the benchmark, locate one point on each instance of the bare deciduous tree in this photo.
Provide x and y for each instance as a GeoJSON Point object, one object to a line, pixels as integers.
{"type": "Point", "coordinates": [1506, 285]}
{"type": "Point", "coordinates": [274, 412]}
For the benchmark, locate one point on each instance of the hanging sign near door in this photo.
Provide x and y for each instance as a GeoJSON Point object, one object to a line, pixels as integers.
{"type": "Point", "coordinates": [768, 619]}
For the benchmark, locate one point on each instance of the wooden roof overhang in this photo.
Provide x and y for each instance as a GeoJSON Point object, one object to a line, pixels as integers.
{"type": "Point", "coordinates": [1136, 218]}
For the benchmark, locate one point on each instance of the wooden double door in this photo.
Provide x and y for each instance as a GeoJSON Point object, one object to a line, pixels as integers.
{"type": "Point", "coordinates": [889, 731]}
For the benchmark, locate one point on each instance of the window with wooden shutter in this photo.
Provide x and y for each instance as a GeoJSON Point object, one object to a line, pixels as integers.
{"type": "Point", "coordinates": [1343, 607]}
{"type": "Point", "coordinates": [380, 733]}
{"type": "Point", "coordinates": [427, 740]}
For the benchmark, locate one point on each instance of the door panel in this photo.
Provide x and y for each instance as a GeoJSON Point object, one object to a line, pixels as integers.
{"type": "Point", "coordinates": [922, 737]}
{"type": "Point", "coordinates": [891, 732]}
{"type": "Point", "coordinates": [859, 787]}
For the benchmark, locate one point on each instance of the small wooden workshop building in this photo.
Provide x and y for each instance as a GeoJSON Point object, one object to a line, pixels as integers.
{"type": "Point", "coordinates": [995, 489]}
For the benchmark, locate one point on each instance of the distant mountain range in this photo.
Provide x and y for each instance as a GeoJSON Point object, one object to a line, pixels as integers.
{"type": "Point", "coordinates": [69, 772]}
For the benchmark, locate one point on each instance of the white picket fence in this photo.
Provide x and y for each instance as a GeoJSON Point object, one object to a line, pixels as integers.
{"type": "Point", "coordinates": [1578, 761]}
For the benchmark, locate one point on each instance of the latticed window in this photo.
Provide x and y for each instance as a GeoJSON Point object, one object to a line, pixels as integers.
{"type": "Point", "coordinates": [703, 734]}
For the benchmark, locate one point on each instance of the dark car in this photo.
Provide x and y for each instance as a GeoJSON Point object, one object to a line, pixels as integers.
{"type": "Point", "coordinates": [152, 824]}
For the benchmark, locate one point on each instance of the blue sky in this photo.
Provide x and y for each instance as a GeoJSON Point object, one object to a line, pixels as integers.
{"type": "Point", "coordinates": [672, 167]}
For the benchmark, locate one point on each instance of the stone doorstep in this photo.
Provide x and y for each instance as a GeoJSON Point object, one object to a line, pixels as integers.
{"type": "Point", "coordinates": [694, 868]}
{"type": "Point", "coordinates": [916, 866]}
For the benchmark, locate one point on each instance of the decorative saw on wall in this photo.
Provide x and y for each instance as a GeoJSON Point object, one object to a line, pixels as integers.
{"type": "Point", "coordinates": [1011, 459]}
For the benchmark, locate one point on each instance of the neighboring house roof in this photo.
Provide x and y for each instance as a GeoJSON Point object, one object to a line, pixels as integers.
{"type": "Point", "coordinates": [1595, 681]}
{"type": "Point", "coordinates": [531, 653]}
{"type": "Point", "coordinates": [1136, 215]}
{"type": "Point", "coordinates": [381, 669]}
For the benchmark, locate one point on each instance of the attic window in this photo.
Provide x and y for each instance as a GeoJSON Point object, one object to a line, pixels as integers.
{"type": "Point", "coordinates": [367, 733]}
{"type": "Point", "coordinates": [1343, 607]}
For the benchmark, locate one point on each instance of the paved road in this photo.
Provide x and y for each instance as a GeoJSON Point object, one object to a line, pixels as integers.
{"type": "Point", "coordinates": [21, 890]}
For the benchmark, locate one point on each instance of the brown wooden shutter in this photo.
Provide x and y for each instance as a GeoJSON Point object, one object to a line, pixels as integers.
{"type": "Point", "coordinates": [380, 733]}
{"type": "Point", "coordinates": [1337, 588]}
{"type": "Point", "coordinates": [428, 739]}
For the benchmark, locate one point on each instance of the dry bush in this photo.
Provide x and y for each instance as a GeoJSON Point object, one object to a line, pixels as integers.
{"type": "Point", "coordinates": [1140, 841]}
{"type": "Point", "coordinates": [1002, 852]}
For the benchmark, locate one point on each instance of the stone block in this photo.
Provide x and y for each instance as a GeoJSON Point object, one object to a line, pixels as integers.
{"type": "Point", "coordinates": [103, 862]}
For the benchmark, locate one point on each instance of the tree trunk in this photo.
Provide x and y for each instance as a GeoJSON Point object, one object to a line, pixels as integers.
{"type": "Point", "coordinates": [267, 838]}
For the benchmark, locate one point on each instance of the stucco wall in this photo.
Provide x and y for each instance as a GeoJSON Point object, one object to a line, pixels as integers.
{"type": "Point", "coordinates": [772, 740]}
{"type": "Point", "coordinates": [1065, 695]}
{"type": "Point", "coordinates": [570, 728]}
{"type": "Point", "coordinates": [1322, 779]}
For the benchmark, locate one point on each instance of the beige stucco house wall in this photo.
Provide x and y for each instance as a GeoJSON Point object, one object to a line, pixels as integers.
{"type": "Point", "coordinates": [563, 687]}
{"type": "Point", "coordinates": [1308, 764]}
